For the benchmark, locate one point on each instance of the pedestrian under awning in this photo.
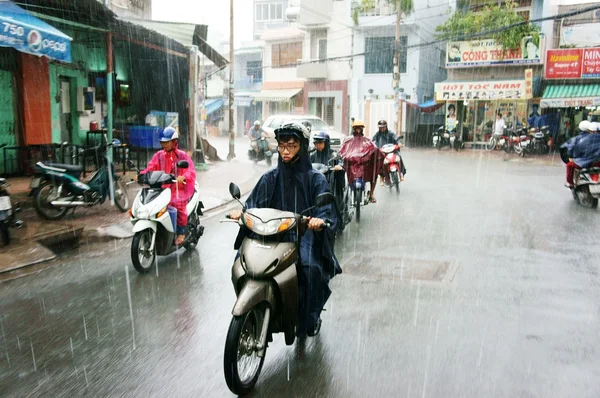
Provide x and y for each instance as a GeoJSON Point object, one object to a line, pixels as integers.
{"type": "Point", "coordinates": [276, 95]}
{"type": "Point", "coordinates": [571, 95]}
{"type": "Point", "coordinates": [28, 34]}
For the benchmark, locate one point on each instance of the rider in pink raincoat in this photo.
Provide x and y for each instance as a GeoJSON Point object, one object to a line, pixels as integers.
{"type": "Point", "coordinates": [166, 161]}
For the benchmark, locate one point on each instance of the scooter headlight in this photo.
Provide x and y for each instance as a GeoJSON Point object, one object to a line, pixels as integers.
{"type": "Point", "coordinates": [271, 227]}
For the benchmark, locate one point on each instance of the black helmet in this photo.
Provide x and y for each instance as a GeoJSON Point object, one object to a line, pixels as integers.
{"type": "Point", "coordinates": [321, 136]}
{"type": "Point", "coordinates": [293, 129]}
{"type": "Point", "coordinates": [382, 123]}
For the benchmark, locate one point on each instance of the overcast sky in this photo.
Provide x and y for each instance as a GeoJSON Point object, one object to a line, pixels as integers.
{"type": "Point", "coordinates": [214, 13]}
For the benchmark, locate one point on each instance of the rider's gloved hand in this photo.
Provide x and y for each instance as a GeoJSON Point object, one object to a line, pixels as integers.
{"type": "Point", "coordinates": [181, 180]}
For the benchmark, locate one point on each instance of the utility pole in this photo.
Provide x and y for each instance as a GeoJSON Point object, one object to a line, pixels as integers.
{"type": "Point", "coordinates": [231, 154]}
{"type": "Point", "coordinates": [396, 80]}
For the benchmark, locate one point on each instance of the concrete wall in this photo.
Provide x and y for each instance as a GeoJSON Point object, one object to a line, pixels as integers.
{"type": "Point", "coordinates": [278, 74]}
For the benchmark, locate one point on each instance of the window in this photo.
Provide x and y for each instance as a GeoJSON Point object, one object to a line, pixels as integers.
{"type": "Point", "coordinates": [379, 54]}
{"type": "Point", "coordinates": [322, 49]}
{"type": "Point", "coordinates": [286, 55]}
{"type": "Point", "coordinates": [254, 71]}
{"type": "Point", "coordinates": [269, 12]}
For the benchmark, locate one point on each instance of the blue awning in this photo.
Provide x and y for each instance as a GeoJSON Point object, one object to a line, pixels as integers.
{"type": "Point", "coordinates": [427, 106]}
{"type": "Point", "coordinates": [28, 34]}
{"type": "Point", "coordinates": [213, 105]}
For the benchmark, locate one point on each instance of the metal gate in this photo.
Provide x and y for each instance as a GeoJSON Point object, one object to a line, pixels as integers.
{"type": "Point", "coordinates": [7, 117]}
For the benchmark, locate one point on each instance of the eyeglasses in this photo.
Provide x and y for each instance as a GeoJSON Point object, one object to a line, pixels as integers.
{"type": "Point", "coordinates": [288, 147]}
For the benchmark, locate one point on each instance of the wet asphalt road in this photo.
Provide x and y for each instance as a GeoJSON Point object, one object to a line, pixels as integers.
{"type": "Point", "coordinates": [480, 279]}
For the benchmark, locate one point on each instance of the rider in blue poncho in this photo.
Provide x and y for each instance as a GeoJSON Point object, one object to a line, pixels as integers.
{"type": "Point", "coordinates": [293, 186]}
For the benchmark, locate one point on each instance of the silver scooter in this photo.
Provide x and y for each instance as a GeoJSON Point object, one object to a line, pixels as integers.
{"type": "Point", "coordinates": [266, 284]}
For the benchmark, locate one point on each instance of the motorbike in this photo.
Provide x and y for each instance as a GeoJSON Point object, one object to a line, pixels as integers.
{"type": "Point", "coordinates": [513, 142]}
{"type": "Point", "coordinates": [497, 139]}
{"type": "Point", "coordinates": [340, 190]}
{"type": "Point", "coordinates": [7, 211]}
{"type": "Point", "coordinates": [265, 281]}
{"type": "Point", "coordinates": [154, 221]}
{"type": "Point", "coordinates": [586, 190]}
{"type": "Point", "coordinates": [393, 164]}
{"type": "Point", "coordinates": [539, 142]}
{"type": "Point", "coordinates": [57, 187]}
{"type": "Point", "coordinates": [444, 137]}
{"type": "Point", "coordinates": [263, 151]}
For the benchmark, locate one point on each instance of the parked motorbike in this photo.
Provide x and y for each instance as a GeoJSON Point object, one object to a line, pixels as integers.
{"type": "Point", "coordinates": [497, 139]}
{"type": "Point", "coordinates": [154, 221]}
{"type": "Point", "coordinates": [262, 152]}
{"type": "Point", "coordinates": [444, 137]}
{"type": "Point", "coordinates": [340, 190]}
{"type": "Point", "coordinates": [393, 164]}
{"type": "Point", "coordinates": [513, 142]}
{"type": "Point", "coordinates": [540, 139]}
{"type": "Point", "coordinates": [265, 280]}
{"type": "Point", "coordinates": [56, 187]}
{"type": "Point", "coordinates": [7, 211]}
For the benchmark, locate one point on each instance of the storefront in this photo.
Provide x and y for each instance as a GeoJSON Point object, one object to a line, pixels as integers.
{"type": "Point", "coordinates": [472, 107]}
{"type": "Point", "coordinates": [572, 86]}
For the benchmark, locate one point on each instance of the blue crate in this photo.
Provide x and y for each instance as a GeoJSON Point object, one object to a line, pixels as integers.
{"type": "Point", "coordinates": [145, 136]}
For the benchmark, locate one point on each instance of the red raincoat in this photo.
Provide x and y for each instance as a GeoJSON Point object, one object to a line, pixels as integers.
{"type": "Point", "coordinates": [361, 159]}
{"type": "Point", "coordinates": [180, 193]}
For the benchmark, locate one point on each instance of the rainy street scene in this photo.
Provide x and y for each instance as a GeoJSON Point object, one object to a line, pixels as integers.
{"type": "Point", "coordinates": [299, 198]}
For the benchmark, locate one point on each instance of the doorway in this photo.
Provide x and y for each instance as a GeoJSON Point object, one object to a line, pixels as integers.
{"type": "Point", "coordinates": [325, 109]}
{"type": "Point", "coordinates": [66, 118]}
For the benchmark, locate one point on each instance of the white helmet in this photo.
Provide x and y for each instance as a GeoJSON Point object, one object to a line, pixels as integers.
{"type": "Point", "coordinates": [595, 126]}
{"type": "Point", "coordinates": [584, 125]}
{"type": "Point", "coordinates": [257, 123]}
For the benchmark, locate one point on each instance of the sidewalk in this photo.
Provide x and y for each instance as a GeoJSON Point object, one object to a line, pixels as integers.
{"type": "Point", "coordinates": [106, 222]}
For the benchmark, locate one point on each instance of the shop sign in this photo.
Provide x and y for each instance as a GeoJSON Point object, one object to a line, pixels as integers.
{"type": "Point", "coordinates": [243, 101]}
{"type": "Point", "coordinates": [528, 83]}
{"type": "Point", "coordinates": [573, 63]}
{"type": "Point", "coordinates": [570, 102]}
{"type": "Point", "coordinates": [485, 90]}
{"type": "Point", "coordinates": [463, 54]}
{"type": "Point", "coordinates": [591, 62]}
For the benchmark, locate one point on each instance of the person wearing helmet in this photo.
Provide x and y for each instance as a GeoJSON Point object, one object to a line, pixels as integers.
{"type": "Point", "coordinates": [581, 151]}
{"type": "Point", "coordinates": [308, 126]}
{"type": "Point", "coordinates": [181, 191]}
{"type": "Point", "coordinates": [383, 137]}
{"type": "Point", "coordinates": [293, 186]}
{"type": "Point", "coordinates": [359, 152]}
{"type": "Point", "coordinates": [255, 133]}
{"type": "Point", "coordinates": [323, 152]}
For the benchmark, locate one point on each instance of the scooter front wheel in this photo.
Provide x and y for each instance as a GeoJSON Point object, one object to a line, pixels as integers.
{"type": "Point", "coordinates": [44, 195]}
{"type": "Point", "coordinates": [241, 364]}
{"type": "Point", "coordinates": [142, 257]}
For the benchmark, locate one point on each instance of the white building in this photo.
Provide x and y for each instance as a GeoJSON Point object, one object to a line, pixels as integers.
{"type": "Point", "coordinates": [324, 64]}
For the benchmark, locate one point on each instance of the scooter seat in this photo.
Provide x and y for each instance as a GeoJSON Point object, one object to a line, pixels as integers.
{"type": "Point", "coordinates": [67, 167]}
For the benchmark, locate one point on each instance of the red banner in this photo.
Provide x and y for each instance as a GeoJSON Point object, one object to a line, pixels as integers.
{"type": "Point", "coordinates": [564, 64]}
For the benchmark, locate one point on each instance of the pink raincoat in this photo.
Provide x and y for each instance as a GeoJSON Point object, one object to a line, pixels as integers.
{"type": "Point", "coordinates": [180, 193]}
{"type": "Point", "coordinates": [362, 159]}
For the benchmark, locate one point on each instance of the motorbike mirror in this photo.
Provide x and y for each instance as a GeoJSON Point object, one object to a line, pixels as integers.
{"type": "Point", "coordinates": [324, 199]}
{"type": "Point", "coordinates": [183, 164]}
{"type": "Point", "coordinates": [234, 191]}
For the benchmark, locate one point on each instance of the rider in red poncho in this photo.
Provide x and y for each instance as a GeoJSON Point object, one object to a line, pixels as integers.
{"type": "Point", "coordinates": [361, 157]}
{"type": "Point", "coordinates": [166, 161]}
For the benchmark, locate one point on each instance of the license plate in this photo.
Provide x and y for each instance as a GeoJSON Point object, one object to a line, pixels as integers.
{"type": "Point", "coordinates": [594, 189]}
{"type": "Point", "coordinates": [34, 183]}
{"type": "Point", "coordinates": [5, 203]}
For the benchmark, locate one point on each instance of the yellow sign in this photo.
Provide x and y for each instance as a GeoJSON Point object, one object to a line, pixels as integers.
{"type": "Point", "coordinates": [528, 83]}
{"type": "Point", "coordinates": [203, 114]}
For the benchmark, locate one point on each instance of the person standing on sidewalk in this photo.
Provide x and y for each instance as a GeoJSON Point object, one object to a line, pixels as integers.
{"type": "Point", "coordinates": [181, 191]}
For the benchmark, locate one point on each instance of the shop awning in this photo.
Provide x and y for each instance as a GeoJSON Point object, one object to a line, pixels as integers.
{"type": "Point", "coordinates": [427, 106]}
{"type": "Point", "coordinates": [276, 95]}
{"type": "Point", "coordinates": [571, 95]}
{"type": "Point", "coordinates": [213, 105]}
{"type": "Point", "coordinates": [31, 35]}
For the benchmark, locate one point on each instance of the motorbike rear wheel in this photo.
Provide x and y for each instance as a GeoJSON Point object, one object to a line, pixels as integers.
{"type": "Point", "coordinates": [45, 194]}
{"type": "Point", "coordinates": [584, 197]}
{"type": "Point", "coordinates": [241, 363]}
{"type": "Point", "coordinates": [141, 256]}
{"type": "Point", "coordinates": [193, 224]}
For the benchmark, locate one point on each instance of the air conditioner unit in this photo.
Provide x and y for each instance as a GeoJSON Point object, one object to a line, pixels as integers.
{"type": "Point", "coordinates": [292, 14]}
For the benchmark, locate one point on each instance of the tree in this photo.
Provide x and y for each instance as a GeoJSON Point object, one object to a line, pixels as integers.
{"type": "Point", "coordinates": [463, 24]}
